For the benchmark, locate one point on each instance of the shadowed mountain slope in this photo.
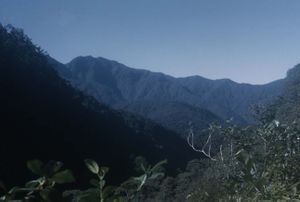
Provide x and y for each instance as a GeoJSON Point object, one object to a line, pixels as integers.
{"type": "Point", "coordinates": [44, 117]}
{"type": "Point", "coordinates": [140, 90]}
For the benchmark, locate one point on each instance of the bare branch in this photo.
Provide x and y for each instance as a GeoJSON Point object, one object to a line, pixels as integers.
{"type": "Point", "coordinates": [231, 149]}
{"type": "Point", "coordinates": [221, 153]}
{"type": "Point", "coordinates": [190, 141]}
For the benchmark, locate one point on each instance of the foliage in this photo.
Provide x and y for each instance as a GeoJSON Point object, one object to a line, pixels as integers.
{"type": "Point", "coordinates": [44, 117]}
{"type": "Point", "coordinates": [149, 173]}
{"type": "Point", "coordinates": [44, 188]}
{"type": "Point", "coordinates": [255, 164]}
{"type": "Point", "coordinates": [99, 191]}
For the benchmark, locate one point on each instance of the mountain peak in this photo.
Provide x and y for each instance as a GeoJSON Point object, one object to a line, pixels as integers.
{"type": "Point", "coordinates": [118, 85]}
{"type": "Point", "coordinates": [52, 120]}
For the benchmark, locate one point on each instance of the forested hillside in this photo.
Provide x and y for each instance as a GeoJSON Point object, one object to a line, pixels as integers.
{"type": "Point", "coordinates": [138, 91]}
{"type": "Point", "coordinates": [286, 109]}
{"type": "Point", "coordinates": [44, 117]}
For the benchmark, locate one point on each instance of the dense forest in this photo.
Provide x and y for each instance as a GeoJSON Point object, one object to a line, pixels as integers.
{"type": "Point", "coordinates": [44, 117]}
{"type": "Point", "coordinates": [169, 101]}
{"type": "Point", "coordinates": [77, 149]}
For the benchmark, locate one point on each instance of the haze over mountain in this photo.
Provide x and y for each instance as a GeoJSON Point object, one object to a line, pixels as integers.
{"type": "Point", "coordinates": [172, 102]}
{"type": "Point", "coordinates": [248, 41]}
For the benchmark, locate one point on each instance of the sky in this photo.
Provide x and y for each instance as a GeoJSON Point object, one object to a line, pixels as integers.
{"type": "Point", "coordinates": [248, 41]}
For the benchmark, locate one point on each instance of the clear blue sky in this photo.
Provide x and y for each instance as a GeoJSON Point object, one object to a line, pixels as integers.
{"type": "Point", "coordinates": [254, 41]}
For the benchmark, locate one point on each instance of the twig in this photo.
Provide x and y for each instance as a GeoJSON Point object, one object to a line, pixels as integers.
{"type": "Point", "coordinates": [190, 140]}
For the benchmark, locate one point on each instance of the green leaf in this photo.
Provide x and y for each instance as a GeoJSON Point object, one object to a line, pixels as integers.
{"type": "Point", "coordinates": [62, 177]}
{"type": "Point", "coordinates": [45, 194]}
{"type": "Point", "coordinates": [129, 184]}
{"type": "Point", "coordinates": [13, 190]}
{"type": "Point", "coordinates": [33, 183]}
{"type": "Point", "coordinates": [156, 175]}
{"type": "Point", "coordinates": [49, 195]}
{"type": "Point", "coordinates": [158, 165]}
{"type": "Point", "coordinates": [104, 170]}
{"type": "Point", "coordinates": [141, 164]}
{"type": "Point", "coordinates": [35, 166]}
{"type": "Point", "coordinates": [52, 167]}
{"type": "Point", "coordinates": [94, 182]}
{"type": "Point", "coordinates": [92, 166]}
{"type": "Point", "coordinates": [142, 179]}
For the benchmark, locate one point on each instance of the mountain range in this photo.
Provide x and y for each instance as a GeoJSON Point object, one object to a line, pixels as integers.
{"type": "Point", "coordinates": [101, 109]}
{"type": "Point", "coordinates": [169, 101]}
{"type": "Point", "coordinates": [44, 117]}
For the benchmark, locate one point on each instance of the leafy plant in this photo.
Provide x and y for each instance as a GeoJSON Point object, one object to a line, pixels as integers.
{"type": "Point", "coordinates": [99, 191]}
{"type": "Point", "coordinates": [127, 191]}
{"type": "Point", "coordinates": [257, 163]}
{"type": "Point", "coordinates": [42, 188]}
{"type": "Point", "coordinates": [132, 186]}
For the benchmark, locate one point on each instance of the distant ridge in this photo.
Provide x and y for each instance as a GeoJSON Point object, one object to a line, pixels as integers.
{"type": "Point", "coordinates": [137, 90]}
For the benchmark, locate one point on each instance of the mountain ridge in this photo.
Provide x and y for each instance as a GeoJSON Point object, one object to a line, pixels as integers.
{"type": "Point", "coordinates": [166, 74]}
{"type": "Point", "coordinates": [44, 117]}
{"type": "Point", "coordinates": [119, 86]}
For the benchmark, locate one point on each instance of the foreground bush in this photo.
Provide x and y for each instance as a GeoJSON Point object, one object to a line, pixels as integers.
{"type": "Point", "coordinates": [253, 164]}
{"type": "Point", "coordinates": [44, 188]}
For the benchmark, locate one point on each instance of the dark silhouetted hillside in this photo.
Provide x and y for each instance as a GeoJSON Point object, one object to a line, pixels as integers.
{"type": "Point", "coordinates": [174, 115]}
{"type": "Point", "coordinates": [44, 117]}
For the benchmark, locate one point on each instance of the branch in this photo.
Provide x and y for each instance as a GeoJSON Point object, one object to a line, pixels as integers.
{"type": "Point", "coordinates": [190, 141]}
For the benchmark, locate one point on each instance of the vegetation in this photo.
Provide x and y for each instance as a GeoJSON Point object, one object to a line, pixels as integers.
{"type": "Point", "coordinates": [44, 117]}
{"type": "Point", "coordinates": [255, 164]}
{"type": "Point", "coordinates": [44, 187]}
{"type": "Point", "coordinates": [172, 102]}
{"type": "Point", "coordinates": [251, 163]}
